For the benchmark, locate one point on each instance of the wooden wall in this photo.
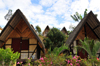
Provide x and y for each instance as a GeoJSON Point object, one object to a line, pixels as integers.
{"type": "Point", "coordinates": [24, 32]}
{"type": "Point", "coordinates": [8, 43]}
{"type": "Point", "coordinates": [90, 33]}
{"type": "Point", "coordinates": [81, 34]}
{"type": "Point", "coordinates": [86, 31]}
{"type": "Point", "coordinates": [24, 53]}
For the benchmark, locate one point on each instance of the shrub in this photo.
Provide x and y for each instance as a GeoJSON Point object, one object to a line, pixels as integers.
{"type": "Point", "coordinates": [7, 57]}
{"type": "Point", "coordinates": [55, 38]}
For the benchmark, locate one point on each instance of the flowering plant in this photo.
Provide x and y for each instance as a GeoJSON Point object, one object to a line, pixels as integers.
{"type": "Point", "coordinates": [27, 63]}
{"type": "Point", "coordinates": [51, 59]}
{"type": "Point", "coordinates": [77, 61]}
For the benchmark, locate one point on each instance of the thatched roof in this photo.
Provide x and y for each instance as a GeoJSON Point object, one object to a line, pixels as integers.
{"type": "Point", "coordinates": [89, 19]}
{"type": "Point", "coordinates": [64, 30]}
{"type": "Point", "coordinates": [15, 19]}
{"type": "Point", "coordinates": [47, 28]}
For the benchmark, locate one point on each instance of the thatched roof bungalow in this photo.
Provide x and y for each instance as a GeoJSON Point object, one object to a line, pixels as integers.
{"type": "Point", "coordinates": [89, 26]}
{"type": "Point", "coordinates": [21, 36]}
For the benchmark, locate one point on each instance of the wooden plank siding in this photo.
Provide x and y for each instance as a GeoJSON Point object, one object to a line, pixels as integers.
{"type": "Point", "coordinates": [89, 33]}
{"type": "Point", "coordinates": [81, 34]}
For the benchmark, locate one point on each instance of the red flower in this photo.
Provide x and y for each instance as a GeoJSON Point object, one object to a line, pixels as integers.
{"type": "Point", "coordinates": [97, 58]}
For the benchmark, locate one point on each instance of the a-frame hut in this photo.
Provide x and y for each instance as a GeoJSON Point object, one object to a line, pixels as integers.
{"type": "Point", "coordinates": [20, 35]}
{"type": "Point", "coordinates": [89, 27]}
{"type": "Point", "coordinates": [64, 31]}
{"type": "Point", "coordinates": [45, 32]}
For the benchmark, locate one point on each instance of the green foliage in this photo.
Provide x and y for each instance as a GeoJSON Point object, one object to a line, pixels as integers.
{"type": "Point", "coordinates": [94, 61]}
{"type": "Point", "coordinates": [28, 63]}
{"type": "Point", "coordinates": [77, 61]}
{"type": "Point", "coordinates": [38, 29]}
{"type": "Point", "coordinates": [53, 58]}
{"type": "Point", "coordinates": [78, 17]}
{"type": "Point", "coordinates": [55, 38]}
{"type": "Point", "coordinates": [91, 47]}
{"type": "Point", "coordinates": [7, 56]}
{"type": "Point", "coordinates": [85, 12]}
{"type": "Point", "coordinates": [69, 32]}
{"type": "Point", "coordinates": [57, 50]}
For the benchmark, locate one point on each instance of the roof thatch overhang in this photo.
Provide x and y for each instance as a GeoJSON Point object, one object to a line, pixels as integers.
{"type": "Point", "coordinates": [11, 25]}
{"type": "Point", "coordinates": [89, 19]}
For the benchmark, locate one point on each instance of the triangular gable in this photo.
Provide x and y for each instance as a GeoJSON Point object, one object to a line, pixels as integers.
{"type": "Point", "coordinates": [64, 30]}
{"type": "Point", "coordinates": [11, 25]}
{"type": "Point", "coordinates": [46, 30]}
{"type": "Point", "coordinates": [92, 23]}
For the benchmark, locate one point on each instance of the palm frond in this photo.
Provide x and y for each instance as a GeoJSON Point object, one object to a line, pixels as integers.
{"type": "Point", "coordinates": [85, 12]}
{"type": "Point", "coordinates": [74, 18]}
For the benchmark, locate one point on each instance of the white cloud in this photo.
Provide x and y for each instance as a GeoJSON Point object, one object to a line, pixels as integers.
{"type": "Point", "coordinates": [47, 3]}
{"type": "Point", "coordinates": [2, 20]}
{"type": "Point", "coordinates": [59, 8]}
{"type": "Point", "coordinates": [2, 5]}
{"type": "Point", "coordinates": [66, 24]}
{"type": "Point", "coordinates": [79, 6]}
{"type": "Point", "coordinates": [94, 5]}
{"type": "Point", "coordinates": [36, 14]}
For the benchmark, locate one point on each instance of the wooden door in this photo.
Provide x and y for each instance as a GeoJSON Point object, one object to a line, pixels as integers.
{"type": "Point", "coordinates": [16, 44]}
{"type": "Point", "coordinates": [25, 44]}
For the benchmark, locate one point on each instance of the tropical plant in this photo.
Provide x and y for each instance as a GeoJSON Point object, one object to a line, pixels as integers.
{"type": "Point", "coordinates": [91, 47]}
{"type": "Point", "coordinates": [78, 17]}
{"type": "Point", "coordinates": [57, 50]}
{"type": "Point", "coordinates": [55, 38]}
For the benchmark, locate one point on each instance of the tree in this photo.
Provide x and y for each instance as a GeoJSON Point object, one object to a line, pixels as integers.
{"type": "Point", "coordinates": [8, 15]}
{"type": "Point", "coordinates": [38, 29]}
{"type": "Point", "coordinates": [78, 17]}
{"type": "Point", "coordinates": [55, 38]}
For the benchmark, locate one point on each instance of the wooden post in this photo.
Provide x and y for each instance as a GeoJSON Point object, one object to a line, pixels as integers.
{"type": "Point", "coordinates": [20, 46]}
{"type": "Point", "coordinates": [38, 51]}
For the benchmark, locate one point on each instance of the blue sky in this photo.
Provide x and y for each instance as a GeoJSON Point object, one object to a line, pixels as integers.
{"type": "Point", "coordinates": [55, 13]}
